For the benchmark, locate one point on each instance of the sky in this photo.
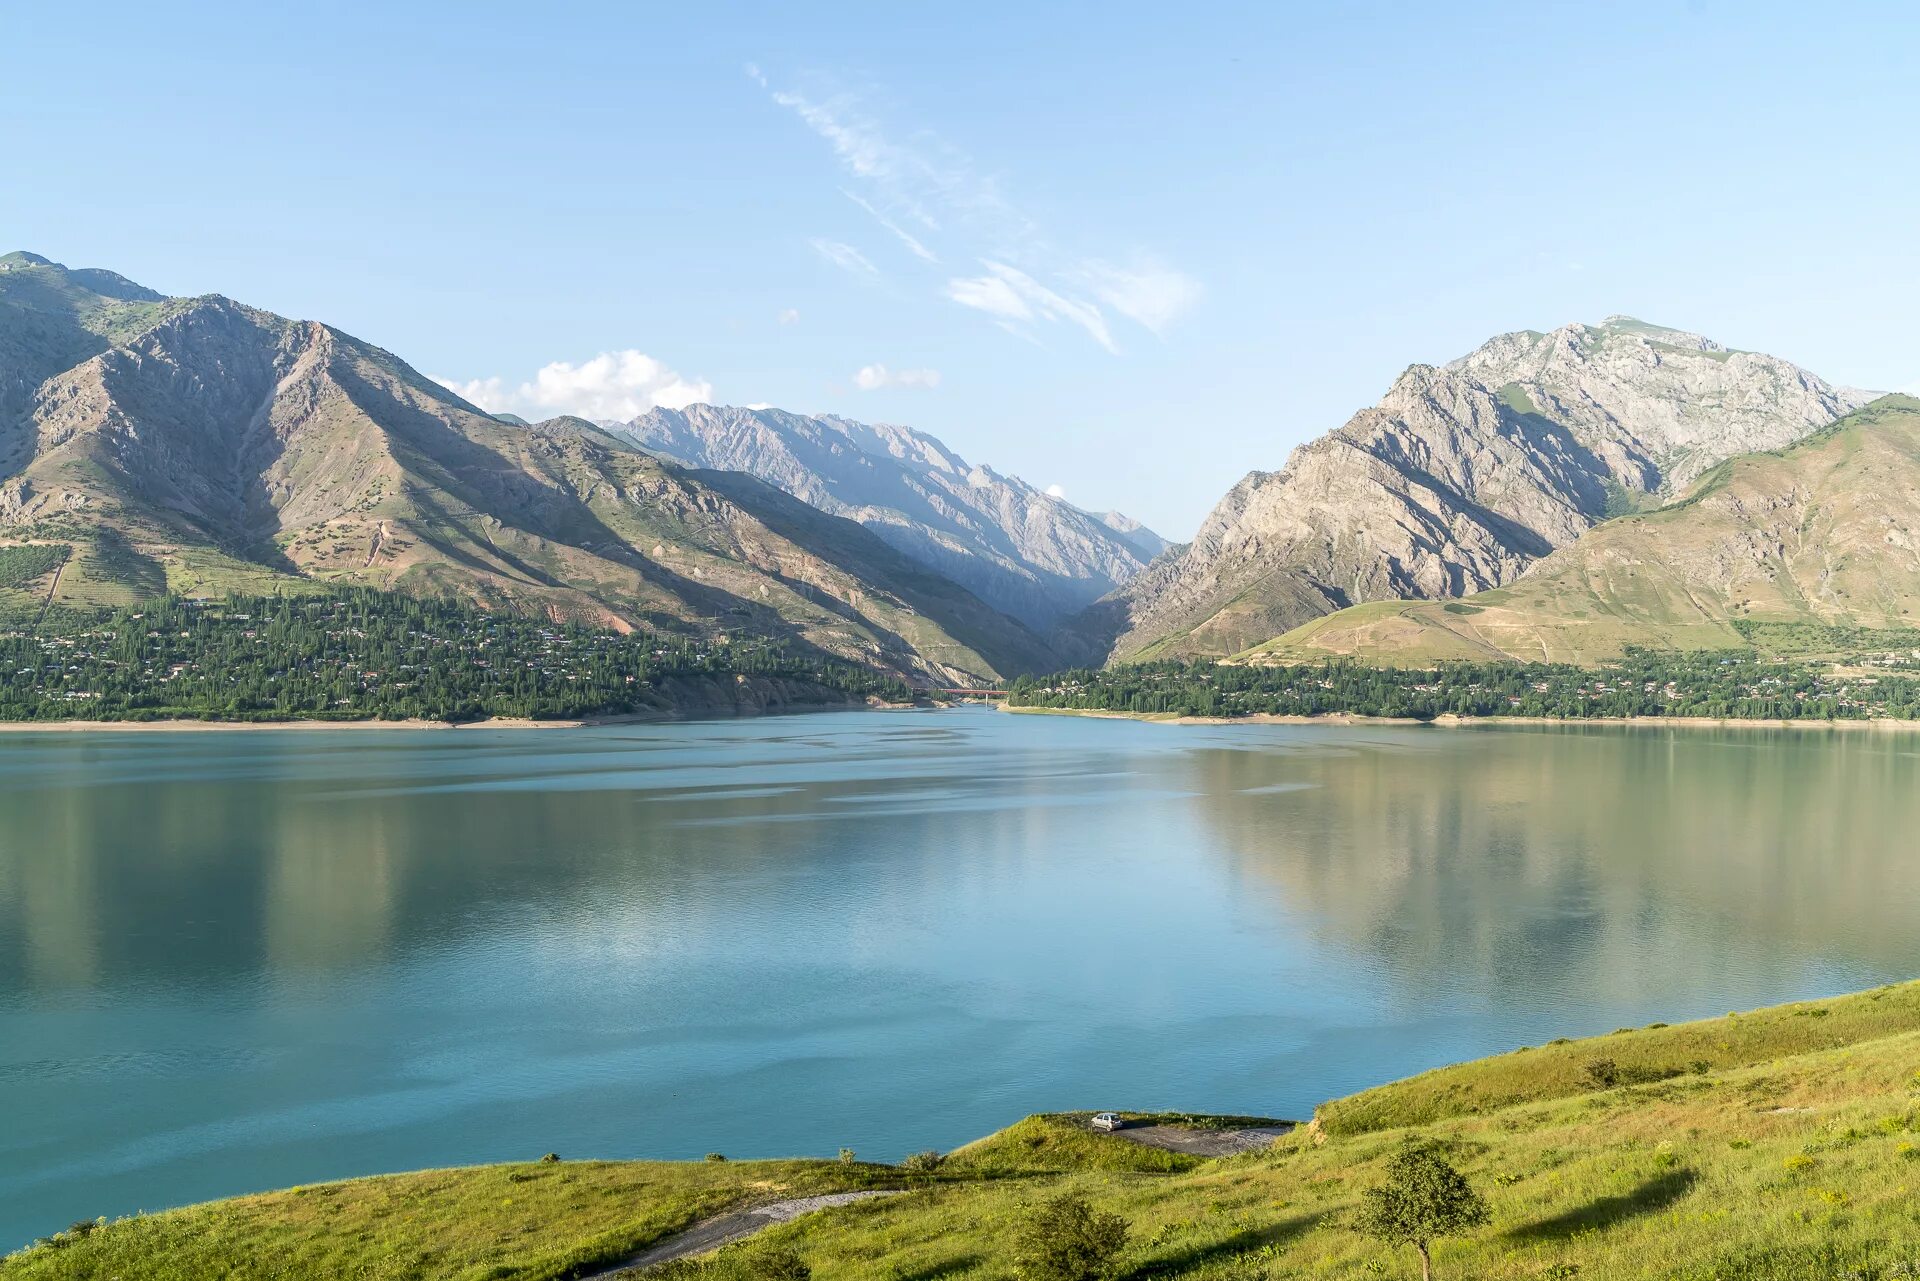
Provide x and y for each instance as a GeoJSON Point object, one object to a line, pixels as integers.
{"type": "Point", "coordinates": [1131, 251]}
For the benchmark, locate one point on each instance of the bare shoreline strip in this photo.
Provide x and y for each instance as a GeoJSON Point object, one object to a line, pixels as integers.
{"type": "Point", "coordinates": [1450, 721]}
{"type": "Point", "coordinates": [182, 725]}
{"type": "Point", "coordinates": [1331, 719]}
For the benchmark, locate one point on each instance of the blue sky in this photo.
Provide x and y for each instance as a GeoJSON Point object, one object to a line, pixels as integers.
{"type": "Point", "coordinates": [1131, 250]}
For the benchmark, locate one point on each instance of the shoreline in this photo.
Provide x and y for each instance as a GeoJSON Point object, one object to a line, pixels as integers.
{"type": "Point", "coordinates": [1451, 721]}
{"type": "Point", "coordinates": [182, 725]}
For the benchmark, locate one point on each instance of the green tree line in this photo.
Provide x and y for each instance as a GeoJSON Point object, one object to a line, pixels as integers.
{"type": "Point", "coordinates": [367, 654]}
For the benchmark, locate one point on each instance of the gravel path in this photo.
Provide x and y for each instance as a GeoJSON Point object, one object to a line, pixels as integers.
{"type": "Point", "coordinates": [1196, 1142]}
{"type": "Point", "coordinates": [724, 1229]}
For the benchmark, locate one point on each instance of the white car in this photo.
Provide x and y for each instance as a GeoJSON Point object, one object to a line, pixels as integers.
{"type": "Point", "coordinates": [1107, 1121]}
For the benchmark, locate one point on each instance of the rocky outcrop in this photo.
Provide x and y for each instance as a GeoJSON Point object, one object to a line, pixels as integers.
{"type": "Point", "coordinates": [1023, 551]}
{"type": "Point", "coordinates": [1460, 479]}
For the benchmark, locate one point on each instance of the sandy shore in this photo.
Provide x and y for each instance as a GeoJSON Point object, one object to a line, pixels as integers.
{"type": "Point", "coordinates": [1450, 721]}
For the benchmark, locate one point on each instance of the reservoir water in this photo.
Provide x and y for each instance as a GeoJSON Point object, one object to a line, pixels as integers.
{"type": "Point", "coordinates": [233, 961]}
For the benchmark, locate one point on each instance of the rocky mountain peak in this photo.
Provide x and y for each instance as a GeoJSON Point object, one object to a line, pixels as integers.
{"type": "Point", "coordinates": [1022, 551]}
{"type": "Point", "coordinates": [1464, 475]}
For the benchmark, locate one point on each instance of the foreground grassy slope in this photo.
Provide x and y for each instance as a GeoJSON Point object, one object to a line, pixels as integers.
{"type": "Point", "coordinates": [1786, 1146]}
{"type": "Point", "coordinates": [1825, 533]}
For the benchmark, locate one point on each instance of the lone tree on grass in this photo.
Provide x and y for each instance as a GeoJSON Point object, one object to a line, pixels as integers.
{"type": "Point", "coordinates": [1423, 1198]}
{"type": "Point", "coordinates": [1066, 1239]}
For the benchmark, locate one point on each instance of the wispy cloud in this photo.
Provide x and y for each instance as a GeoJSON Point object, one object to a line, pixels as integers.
{"type": "Point", "coordinates": [1011, 294]}
{"type": "Point", "coordinates": [791, 316]}
{"type": "Point", "coordinates": [906, 238]}
{"type": "Point", "coordinates": [844, 256]}
{"type": "Point", "coordinates": [931, 197]}
{"type": "Point", "coordinates": [615, 385]}
{"type": "Point", "coordinates": [879, 377]}
{"type": "Point", "coordinates": [1148, 293]}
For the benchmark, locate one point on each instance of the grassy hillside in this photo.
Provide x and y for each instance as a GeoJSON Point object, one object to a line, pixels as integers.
{"type": "Point", "coordinates": [1774, 1145]}
{"type": "Point", "coordinates": [1824, 535]}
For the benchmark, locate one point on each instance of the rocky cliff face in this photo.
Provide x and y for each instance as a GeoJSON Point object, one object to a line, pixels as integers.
{"type": "Point", "coordinates": [1025, 552]}
{"type": "Point", "coordinates": [1460, 479]}
{"type": "Point", "coordinates": [204, 446]}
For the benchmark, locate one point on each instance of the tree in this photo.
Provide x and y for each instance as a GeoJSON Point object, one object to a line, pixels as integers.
{"type": "Point", "coordinates": [1065, 1239]}
{"type": "Point", "coordinates": [1422, 1199]}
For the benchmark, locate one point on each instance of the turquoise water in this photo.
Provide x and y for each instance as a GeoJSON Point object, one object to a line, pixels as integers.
{"type": "Point", "coordinates": [244, 960]}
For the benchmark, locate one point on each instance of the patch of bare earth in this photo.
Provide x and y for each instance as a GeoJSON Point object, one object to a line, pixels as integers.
{"type": "Point", "coordinates": [1200, 1142]}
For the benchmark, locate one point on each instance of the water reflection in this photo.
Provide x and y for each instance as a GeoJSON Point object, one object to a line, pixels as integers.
{"type": "Point", "coordinates": [235, 961]}
{"type": "Point", "coordinates": [1574, 866]}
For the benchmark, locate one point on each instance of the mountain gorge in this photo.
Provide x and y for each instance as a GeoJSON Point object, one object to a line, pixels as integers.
{"type": "Point", "coordinates": [1025, 552]}
{"type": "Point", "coordinates": [1460, 480]}
{"type": "Point", "coordinates": [199, 445]}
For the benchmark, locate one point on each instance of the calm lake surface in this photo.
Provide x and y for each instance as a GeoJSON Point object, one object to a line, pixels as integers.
{"type": "Point", "coordinates": [237, 961]}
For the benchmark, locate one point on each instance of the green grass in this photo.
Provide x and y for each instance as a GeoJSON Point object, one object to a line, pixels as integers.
{"type": "Point", "coordinates": [527, 1222]}
{"type": "Point", "coordinates": [1559, 1070]}
{"type": "Point", "coordinates": [1053, 1144]}
{"type": "Point", "coordinates": [1787, 1146]}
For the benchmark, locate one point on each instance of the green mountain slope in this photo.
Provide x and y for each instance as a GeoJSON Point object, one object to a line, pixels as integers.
{"type": "Point", "coordinates": [1824, 532]}
{"type": "Point", "coordinates": [201, 445]}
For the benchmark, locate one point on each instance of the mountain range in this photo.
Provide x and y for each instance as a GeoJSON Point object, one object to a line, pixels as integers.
{"type": "Point", "coordinates": [1460, 480]}
{"type": "Point", "coordinates": [1025, 552]}
{"type": "Point", "coordinates": [1549, 495]}
{"type": "Point", "coordinates": [1823, 532]}
{"type": "Point", "coordinates": [201, 445]}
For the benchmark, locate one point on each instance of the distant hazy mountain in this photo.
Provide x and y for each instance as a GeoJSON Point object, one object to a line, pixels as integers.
{"type": "Point", "coordinates": [1460, 480]}
{"type": "Point", "coordinates": [1022, 551]}
{"type": "Point", "coordinates": [202, 445]}
{"type": "Point", "coordinates": [1826, 531]}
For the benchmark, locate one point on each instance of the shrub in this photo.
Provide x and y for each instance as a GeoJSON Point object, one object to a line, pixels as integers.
{"type": "Point", "coordinates": [550, 1158]}
{"type": "Point", "coordinates": [716, 1156]}
{"type": "Point", "coordinates": [924, 1162]}
{"type": "Point", "coordinates": [846, 1156]}
{"type": "Point", "coordinates": [1604, 1073]}
{"type": "Point", "coordinates": [1066, 1239]}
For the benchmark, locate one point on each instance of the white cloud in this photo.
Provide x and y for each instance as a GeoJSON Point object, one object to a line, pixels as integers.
{"type": "Point", "coordinates": [932, 187]}
{"type": "Point", "coordinates": [912, 242]}
{"type": "Point", "coordinates": [1057, 490]}
{"type": "Point", "coordinates": [1011, 294]}
{"type": "Point", "coordinates": [1147, 293]}
{"type": "Point", "coordinates": [613, 385]}
{"type": "Point", "coordinates": [760, 404]}
{"type": "Point", "coordinates": [844, 256]}
{"type": "Point", "coordinates": [989, 294]}
{"type": "Point", "coordinates": [791, 316]}
{"type": "Point", "coordinates": [876, 377]}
